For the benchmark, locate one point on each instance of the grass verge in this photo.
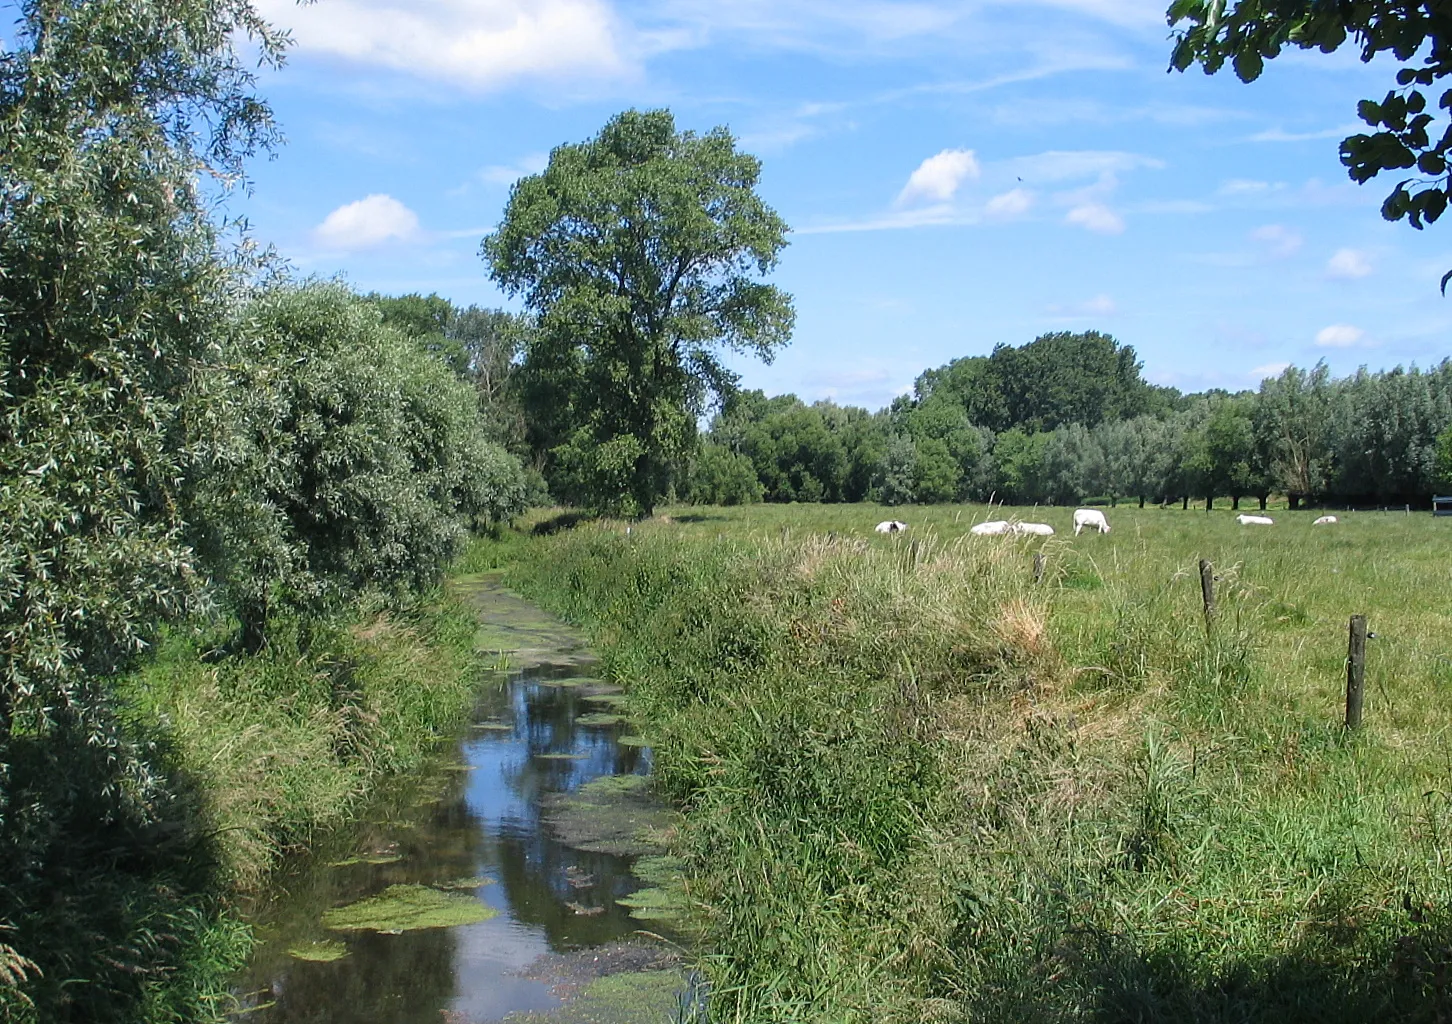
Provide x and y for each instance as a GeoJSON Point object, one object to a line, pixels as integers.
{"type": "Point", "coordinates": [124, 861]}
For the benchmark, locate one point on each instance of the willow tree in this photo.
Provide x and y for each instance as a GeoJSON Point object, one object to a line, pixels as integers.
{"type": "Point", "coordinates": [640, 253]}
{"type": "Point", "coordinates": [112, 287]}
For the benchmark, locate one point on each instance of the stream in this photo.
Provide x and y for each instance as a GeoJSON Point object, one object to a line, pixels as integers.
{"type": "Point", "coordinates": [485, 888]}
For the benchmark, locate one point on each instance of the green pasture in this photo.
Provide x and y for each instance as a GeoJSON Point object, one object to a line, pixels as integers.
{"type": "Point", "coordinates": [921, 785]}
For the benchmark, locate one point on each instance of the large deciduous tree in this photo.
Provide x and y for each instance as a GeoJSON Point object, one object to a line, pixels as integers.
{"type": "Point", "coordinates": [1411, 132]}
{"type": "Point", "coordinates": [639, 252]}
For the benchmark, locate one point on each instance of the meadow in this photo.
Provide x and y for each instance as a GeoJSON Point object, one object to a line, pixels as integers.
{"type": "Point", "coordinates": [920, 784]}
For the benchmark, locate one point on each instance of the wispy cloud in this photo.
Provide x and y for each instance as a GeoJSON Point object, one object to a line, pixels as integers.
{"type": "Point", "coordinates": [1339, 336]}
{"type": "Point", "coordinates": [1268, 370]}
{"type": "Point", "coordinates": [1277, 239]}
{"type": "Point", "coordinates": [1279, 135]}
{"type": "Point", "coordinates": [1248, 187]}
{"type": "Point", "coordinates": [1096, 217]}
{"type": "Point", "coordinates": [1348, 264]}
{"type": "Point", "coordinates": [1009, 205]}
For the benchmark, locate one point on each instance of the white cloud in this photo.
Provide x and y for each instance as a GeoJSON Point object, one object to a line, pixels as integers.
{"type": "Point", "coordinates": [1009, 205]}
{"type": "Point", "coordinates": [938, 177]}
{"type": "Point", "coordinates": [1096, 217]}
{"type": "Point", "coordinates": [477, 44]}
{"type": "Point", "coordinates": [1278, 239]}
{"type": "Point", "coordinates": [367, 223]}
{"type": "Point", "coordinates": [1348, 264]}
{"type": "Point", "coordinates": [1339, 336]}
{"type": "Point", "coordinates": [1268, 370]}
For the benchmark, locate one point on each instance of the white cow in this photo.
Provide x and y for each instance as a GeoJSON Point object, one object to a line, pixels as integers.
{"type": "Point", "coordinates": [1324, 520]}
{"type": "Point", "coordinates": [1245, 520]}
{"type": "Point", "coordinates": [992, 528]}
{"type": "Point", "coordinates": [1090, 517]}
{"type": "Point", "coordinates": [891, 526]}
{"type": "Point", "coordinates": [1037, 529]}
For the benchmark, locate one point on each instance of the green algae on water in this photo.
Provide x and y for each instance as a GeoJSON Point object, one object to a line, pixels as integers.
{"type": "Point", "coordinates": [477, 882]}
{"type": "Point", "coordinates": [403, 908]}
{"type": "Point", "coordinates": [561, 757]}
{"type": "Point", "coordinates": [599, 719]}
{"type": "Point", "coordinates": [627, 998]}
{"type": "Point", "coordinates": [324, 951]}
{"type": "Point", "coordinates": [612, 814]}
{"type": "Point", "coordinates": [366, 858]}
{"type": "Point", "coordinates": [612, 700]}
{"type": "Point", "coordinates": [653, 904]}
{"type": "Point", "coordinates": [633, 741]}
{"type": "Point", "coordinates": [659, 870]}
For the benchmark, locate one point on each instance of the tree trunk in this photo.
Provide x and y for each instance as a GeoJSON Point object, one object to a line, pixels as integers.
{"type": "Point", "coordinates": [1141, 501]}
{"type": "Point", "coordinates": [1295, 500]}
{"type": "Point", "coordinates": [1235, 503]}
{"type": "Point", "coordinates": [1263, 498]}
{"type": "Point", "coordinates": [1185, 503]}
{"type": "Point", "coordinates": [1209, 504]}
{"type": "Point", "coordinates": [253, 616]}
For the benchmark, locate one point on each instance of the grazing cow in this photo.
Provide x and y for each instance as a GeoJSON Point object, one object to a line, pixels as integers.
{"type": "Point", "coordinates": [1090, 517]}
{"type": "Point", "coordinates": [891, 526]}
{"type": "Point", "coordinates": [1324, 520]}
{"type": "Point", "coordinates": [1245, 520]}
{"type": "Point", "coordinates": [1037, 529]}
{"type": "Point", "coordinates": [992, 528]}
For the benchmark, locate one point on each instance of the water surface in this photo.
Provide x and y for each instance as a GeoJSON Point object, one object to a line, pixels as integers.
{"type": "Point", "coordinates": [475, 825]}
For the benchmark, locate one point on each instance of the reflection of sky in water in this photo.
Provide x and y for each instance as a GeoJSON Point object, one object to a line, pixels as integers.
{"type": "Point", "coordinates": [489, 824]}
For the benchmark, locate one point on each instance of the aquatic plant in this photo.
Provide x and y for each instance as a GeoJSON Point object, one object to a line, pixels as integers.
{"type": "Point", "coordinates": [404, 908]}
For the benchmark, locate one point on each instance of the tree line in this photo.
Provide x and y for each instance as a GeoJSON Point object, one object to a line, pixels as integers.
{"type": "Point", "coordinates": [1068, 418]}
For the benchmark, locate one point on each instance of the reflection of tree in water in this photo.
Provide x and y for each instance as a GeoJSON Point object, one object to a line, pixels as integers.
{"type": "Point", "coordinates": [534, 869]}
{"type": "Point", "coordinates": [402, 978]}
{"type": "Point", "coordinates": [408, 979]}
{"type": "Point", "coordinates": [438, 836]}
{"type": "Point", "coordinates": [533, 873]}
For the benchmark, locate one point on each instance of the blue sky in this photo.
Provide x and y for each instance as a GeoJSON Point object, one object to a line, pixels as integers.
{"type": "Point", "coordinates": [957, 175]}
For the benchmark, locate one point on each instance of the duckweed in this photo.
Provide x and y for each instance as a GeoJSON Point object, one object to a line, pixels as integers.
{"type": "Point", "coordinates": [324, 951]}
{"type": "Point", "coordinates": [403, 908]}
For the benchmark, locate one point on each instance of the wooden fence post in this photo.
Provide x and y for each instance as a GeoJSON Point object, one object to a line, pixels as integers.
{"type": "Point", "coordinates": [1039, 561]}
{"type": "Point", "coordinates": [1207, 590]}
{"type": "Point", "coordinates": [1355, 670]}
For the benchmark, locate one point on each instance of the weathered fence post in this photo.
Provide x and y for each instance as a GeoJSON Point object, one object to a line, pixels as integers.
{"type": "Point", "coordinates": [1039, 562]}
{"type": "Point", "coordinates": [913, 555]}
{"type": "Point", "coordinates": [1355, 670]}
{"type": "Point", "coordinates": [1207, 590]}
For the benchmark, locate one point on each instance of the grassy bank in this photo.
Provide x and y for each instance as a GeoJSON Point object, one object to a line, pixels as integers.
{"type": "Point", "coordinates": [921, 786]}
{"type": "Point", "coordinates": [122, 908]}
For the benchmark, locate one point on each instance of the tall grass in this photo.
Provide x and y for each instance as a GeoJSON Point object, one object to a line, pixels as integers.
{"type": "Point", "coordinates": [123, 911]}
{"type": "Point", "coordinates": [919, 786]}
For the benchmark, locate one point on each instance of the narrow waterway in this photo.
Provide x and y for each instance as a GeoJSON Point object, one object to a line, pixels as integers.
{"type": "Point", "coordinates": [508, 869]}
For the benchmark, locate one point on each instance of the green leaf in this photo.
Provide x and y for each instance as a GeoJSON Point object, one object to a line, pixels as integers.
{"type": "Point", "coordinates": [1248, 65]}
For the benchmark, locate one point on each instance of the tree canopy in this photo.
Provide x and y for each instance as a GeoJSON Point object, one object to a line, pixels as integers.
{"type": "Point", "coordinates": [639, 252]}
{"type": "Point", "coordinates": [1247, 33]}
